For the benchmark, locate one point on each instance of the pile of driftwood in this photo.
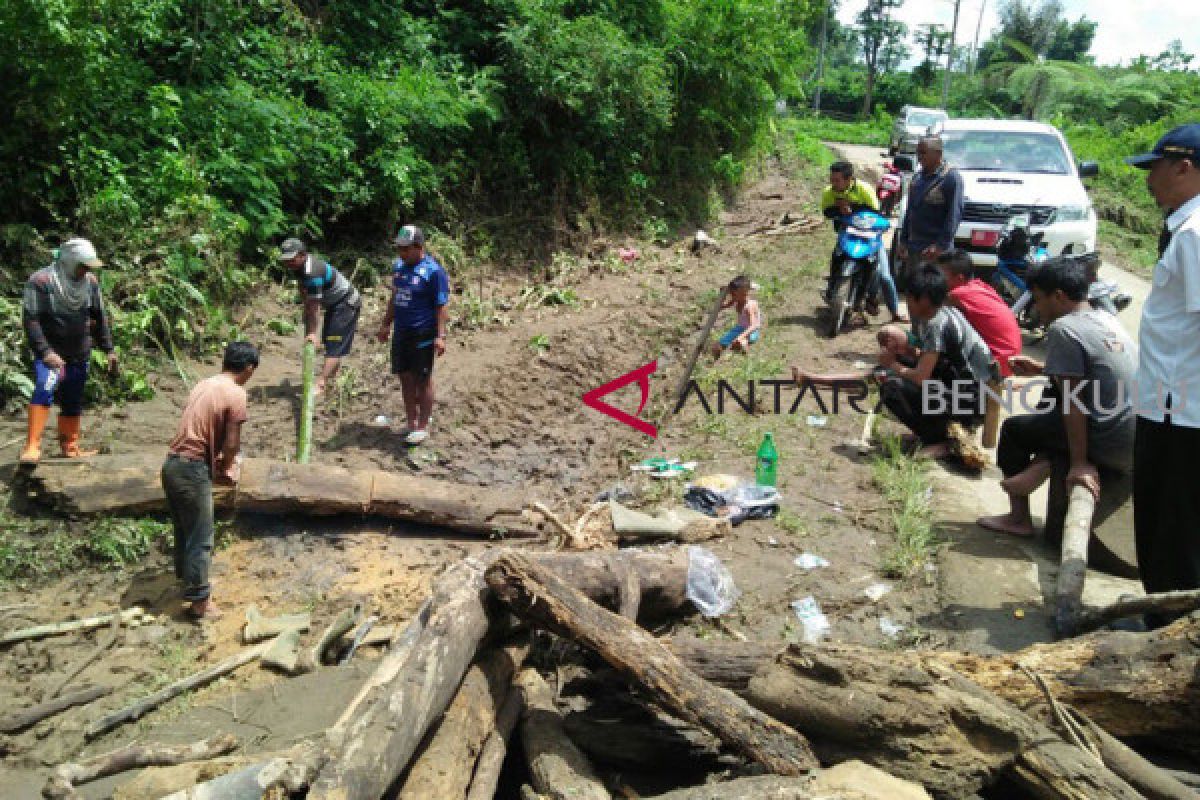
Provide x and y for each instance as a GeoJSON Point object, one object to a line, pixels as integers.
{"type": "Point", "coordinates": [435, 717]}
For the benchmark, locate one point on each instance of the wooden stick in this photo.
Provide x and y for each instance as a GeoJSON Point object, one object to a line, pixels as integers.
{"type": "Point", "coordinates": [557, 768]}
{"type": "Point", "coordinates": [19, 720]}
{"type": "Point", "coordinates": [136, 710]}
{"type": "Point", "coordinates": [135, 756]}
{"type": "Point", "coordinates": [1077, 530]}
{"type": "Point", "coordinates": [83, 663]}
{"type": "Point", "coordinates": [536, 593]}
{"type": "Point", "coordinates": [1153, 782]}
{"type": "Point", "coordinates": [307, 402]}
{"type": "Point", "coordinates": [57, 628]}
{"type": "Point", "coordinates": [691, 362]}
{"type": "Point", "coordinates": [1180, 602]}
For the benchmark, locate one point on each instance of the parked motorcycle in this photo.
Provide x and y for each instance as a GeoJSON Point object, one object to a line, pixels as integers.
{"type": "Point", "coordinates": [855, 258]}
{"type": "Point", "coordinates": [889, 189]}
{"type": "Point", "coordinates": [1017, 250]}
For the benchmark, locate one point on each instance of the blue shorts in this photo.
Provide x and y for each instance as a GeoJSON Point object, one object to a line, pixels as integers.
{"type": "Point", "coordinates": [735, 332]}
{"type": "Point", "coordinates": [65, 386]}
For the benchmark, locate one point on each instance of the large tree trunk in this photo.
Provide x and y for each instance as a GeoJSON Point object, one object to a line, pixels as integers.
{"type": "Point", "coordinates": [442, 770]}
{"type": "Point", "coordinates": [931, 725]}
{"type": "Point", "coordinates": [1134, 685]}
{"type": "Point", "coordinates": [129, 484]}
{"type": "Point", "coordinates": [371, 751]}
{"type": "Point", "coordinates": [537, 594]}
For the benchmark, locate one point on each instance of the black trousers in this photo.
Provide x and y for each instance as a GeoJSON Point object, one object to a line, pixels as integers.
{"type": "Point", "coordinates": [904, 399]}
{"type": "Point", "coordinates": [1166, 506]}
{"type": "Point", "coordinates": [1028, 435]}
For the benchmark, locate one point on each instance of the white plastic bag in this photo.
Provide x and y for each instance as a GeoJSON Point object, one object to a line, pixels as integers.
{"type": "Point", "coordinates": [710, 584]}
{"type": "Point", "coordinates": [815, 624]}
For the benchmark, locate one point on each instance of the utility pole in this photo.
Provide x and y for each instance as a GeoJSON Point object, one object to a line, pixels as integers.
{"type": "Point", "coordinates": [950, 55]}
{"type": "Point", "coordinates": [821, 59]}
{"type": "Point", "coordinates": [975, 47]}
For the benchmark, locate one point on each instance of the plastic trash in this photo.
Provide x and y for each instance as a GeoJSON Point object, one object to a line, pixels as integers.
{"type": "Point", "coordinates": [617, 492]}
{"type": "Point", "coordinates": [381, 421]}
{"type": "Point", "coordinates": [860, 365]}
{"type": "Point", "coordinates": [889, 628]}
{"type": "Point", "coordinates": [664, 467]}
{"type": "Point", "coordinates": [814, 623]}
{"type": "Point", "coordinates": [747, 501]}
{"type": "Point", "coordinates": [876, 591]}
{"type": "Point", "coordinates": [810, 561]}
{"type": "Point", "coordinates": [710, 584]}
{"type": "Point", "coordinates": [768, 461]}
{"type": "Point", "coordinates": [816, 420]}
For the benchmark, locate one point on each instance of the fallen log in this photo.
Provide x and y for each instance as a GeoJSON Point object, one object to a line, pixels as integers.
{"type": "Point", "coordinates": [71, 626]}
{"type": "Point", "coordinates": [557, 768]}
{"type": "Point", "coordinates": [136, 710]}
{"type": "Point", "coordinates": [1151, 781]}
{"type": "Point", "coordinates": [1134, 685]}
{"type": "Point", "coordinates": [623, 733]}
{"type": "Point", "coordinates": [66, 777]}
{"type": "Point", "coordinates": [442, 770]}
{"type": "Point", "coordinates": [1181, 602]}
{"type": "Point", "coordinates": [495, 749]}
{"type": "Point", "coordinates": [536, 593]}
{"type": "Point", "coordinates": [850, 780]}
{"type": "Point", "coordinates": [1077, 531]}
{"type": "Point", "coordinates": [129, 484]}
{"type": "Point", "coordinates": [929, 725]}
{"type": "Point", "coordinates": [369, 753]}
{"type": "Point", "coordinates": [20, 720]}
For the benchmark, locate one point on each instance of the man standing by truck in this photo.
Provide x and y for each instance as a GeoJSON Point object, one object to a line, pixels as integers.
{"type": "Point", "coordinates": [1166, 506]}
{"type": "Point", "coordinates": [934, 210]}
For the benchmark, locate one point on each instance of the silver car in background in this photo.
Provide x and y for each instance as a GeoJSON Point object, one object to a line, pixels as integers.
{"type": "Point", "coordinates": [910, 125]}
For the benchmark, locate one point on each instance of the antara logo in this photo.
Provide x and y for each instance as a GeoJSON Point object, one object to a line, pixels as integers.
{"type": "Point", "coordinates": [642, 376]}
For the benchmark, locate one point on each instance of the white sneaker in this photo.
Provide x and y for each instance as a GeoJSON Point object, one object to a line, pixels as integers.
{"type": "Point", "coordinates": [416, 437]}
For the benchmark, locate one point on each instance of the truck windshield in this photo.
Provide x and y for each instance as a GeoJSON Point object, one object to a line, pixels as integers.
{"type": "Point", "coordinates": [923, 119]}
{"type": "Point", "coordinates": [1006, 151]}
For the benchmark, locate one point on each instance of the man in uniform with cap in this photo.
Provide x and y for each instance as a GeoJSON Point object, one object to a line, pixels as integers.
{"type": "Point", "coordinates": [324, 287]}
{"type": "Point", "coordinates": [1166, 505]}
{"type": "Point", "coordinates": [62, 311]}
{"type": "Point", "coordinates": [416, 320]}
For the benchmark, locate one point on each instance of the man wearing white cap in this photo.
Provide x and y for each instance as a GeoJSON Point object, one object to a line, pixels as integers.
{"type": "Point", "coordinates": [62, 311]}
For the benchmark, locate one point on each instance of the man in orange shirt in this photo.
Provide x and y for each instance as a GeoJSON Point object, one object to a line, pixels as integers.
{"type": "Point", "coordinates": [205, 451]}
{"type": "Point", "coordinates": [986, 310]}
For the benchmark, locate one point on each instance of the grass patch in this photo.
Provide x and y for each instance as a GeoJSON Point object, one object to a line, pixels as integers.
{"type": "Point", "coordinates": [1135, 252]}
{"type": "Point", "coordinates": [904, 482]}
{"type": "Point", "coordinates": [870, 132]}
{"type": "Point", "coordinates": [34, 549]}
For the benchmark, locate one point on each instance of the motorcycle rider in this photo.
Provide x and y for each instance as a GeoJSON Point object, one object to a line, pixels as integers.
{"type": "Point", "coordinates": [844, 196]}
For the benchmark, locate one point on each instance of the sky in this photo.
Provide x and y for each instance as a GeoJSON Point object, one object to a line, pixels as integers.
{"type": "Point", "coordinates": [1120, 37]}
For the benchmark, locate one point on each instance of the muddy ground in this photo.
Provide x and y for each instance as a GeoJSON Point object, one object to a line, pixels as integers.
{"type": "Point", "coordinates": [509, 413]}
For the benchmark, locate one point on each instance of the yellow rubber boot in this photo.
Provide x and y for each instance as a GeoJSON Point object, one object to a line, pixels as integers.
{"type": "Point", "coordinates": [38, 416]}
{"type": "Point", "coordinates": [68, 437]}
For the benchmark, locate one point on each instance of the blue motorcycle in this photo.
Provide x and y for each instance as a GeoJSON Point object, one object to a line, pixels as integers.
{"type": "Point", "coordinates": [1017, 250]}
{"type": "Point", "coordinates": [855, 258]}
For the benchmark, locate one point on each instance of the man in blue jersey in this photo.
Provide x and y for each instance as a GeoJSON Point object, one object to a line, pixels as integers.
{"type": "Point", "coordinates": [416, 320]}
{"type": "Point", "coordinates": [324, 287]}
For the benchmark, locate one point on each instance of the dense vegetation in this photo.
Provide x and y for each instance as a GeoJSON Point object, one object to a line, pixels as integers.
{"type": "Point", "coordinates": [184, 136]}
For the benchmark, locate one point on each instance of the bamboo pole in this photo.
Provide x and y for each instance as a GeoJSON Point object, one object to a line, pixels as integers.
{"type": "Point", "coordinates": [54, 629]}
{"type": "Point", "coordinates": [307, 401]}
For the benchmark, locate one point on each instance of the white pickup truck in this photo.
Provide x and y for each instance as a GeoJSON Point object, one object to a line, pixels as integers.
{"type": "Point", "coordinates": [1012, 167]}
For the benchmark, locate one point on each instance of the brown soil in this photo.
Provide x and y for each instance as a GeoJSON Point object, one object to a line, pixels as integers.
{"type": "Point", "coordinates": [509, 416]}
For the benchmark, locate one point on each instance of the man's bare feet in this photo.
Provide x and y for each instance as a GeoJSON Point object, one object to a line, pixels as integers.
{"type": "Point", "coordinates": [1026, 482]}
{"type": "Point", "coordinates": [204, 609]}
{"type": "Point", "coordinates": [1006, 523]}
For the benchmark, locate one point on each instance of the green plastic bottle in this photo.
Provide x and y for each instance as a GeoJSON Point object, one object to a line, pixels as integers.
{"type": "Point", "coordinates": [768, 462]}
